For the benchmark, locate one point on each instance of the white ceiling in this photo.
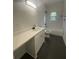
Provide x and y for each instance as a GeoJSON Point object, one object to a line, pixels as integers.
{"type": "Point", "coordinates": [46, 3]}
{"type": "Point", "coordinates": [49, 2]}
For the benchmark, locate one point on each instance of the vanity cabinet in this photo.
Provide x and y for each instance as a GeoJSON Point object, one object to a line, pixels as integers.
{"type": "Point", "coordinates": [28, 42]}
{"type": "Point", "coordinates": [33, 46]}
{"type": "Point", "coordinates": [39, 39]}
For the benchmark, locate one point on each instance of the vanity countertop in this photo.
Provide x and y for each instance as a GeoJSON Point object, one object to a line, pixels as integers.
{"type": "Point", "coordinates": [22, 38]}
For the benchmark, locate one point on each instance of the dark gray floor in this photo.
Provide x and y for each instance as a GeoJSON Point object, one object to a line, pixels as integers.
{"type": "Point", "coordinates": [53, 48]}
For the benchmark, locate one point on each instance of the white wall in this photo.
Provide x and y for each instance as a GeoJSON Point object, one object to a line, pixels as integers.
{"type": "Point", "coordinates": [24, 16]}
{"type": "Point", "coordinates": [56, 27]}
{"type": "Point", "coordinates": [64, 26]}
{"type": "Point", "coordinates": [64, 22]}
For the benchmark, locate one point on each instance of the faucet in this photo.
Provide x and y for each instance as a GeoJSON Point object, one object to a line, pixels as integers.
{"type": "Point", "coordinates": [34, 26]}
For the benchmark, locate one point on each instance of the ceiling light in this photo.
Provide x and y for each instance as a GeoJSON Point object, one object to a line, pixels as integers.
{"type": "Point", "coordinates": [31, 4]}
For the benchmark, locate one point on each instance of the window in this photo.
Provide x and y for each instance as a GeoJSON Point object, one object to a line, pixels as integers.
{"type": "Point", "coordinates": [53, 16]}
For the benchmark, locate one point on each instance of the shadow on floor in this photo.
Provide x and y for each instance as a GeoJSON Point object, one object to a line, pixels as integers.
{"type": "Point", "coordinates": [53, 48]}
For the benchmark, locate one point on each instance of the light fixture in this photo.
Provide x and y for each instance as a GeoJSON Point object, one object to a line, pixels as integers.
{"type": "Point", "coordinates": [30, 4]}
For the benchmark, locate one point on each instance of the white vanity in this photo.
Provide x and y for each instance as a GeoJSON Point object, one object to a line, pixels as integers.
{"type": "Point", "coordinates": [29, 41]}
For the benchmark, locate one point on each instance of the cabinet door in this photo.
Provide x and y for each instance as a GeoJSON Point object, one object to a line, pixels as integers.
{"type": "Point", "coordinates": [18, 53]}
{"type": "Point", "coordinates": [39, 39]}
{"type": "Point", "coordinates": [30, 47]}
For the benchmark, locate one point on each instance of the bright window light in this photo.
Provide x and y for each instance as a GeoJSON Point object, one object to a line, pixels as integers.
{"type": "Point", "coordinates": [31, 4]}
{"type": "Point", "coordinates": [53, 16]}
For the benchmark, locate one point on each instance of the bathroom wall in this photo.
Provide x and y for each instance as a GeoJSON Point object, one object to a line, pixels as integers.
{"type": "Point", "coordinates": [64, 26]}
{"type": "Point", "coordinates": [64, 22]}
{"type": "Point", "coordinates": [56, 27]}
{"type": "Point", "coordinates": [24, 16]}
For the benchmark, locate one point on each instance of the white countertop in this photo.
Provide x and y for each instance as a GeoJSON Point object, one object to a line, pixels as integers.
{"type": "Point", "coordinates": [22, 38]}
